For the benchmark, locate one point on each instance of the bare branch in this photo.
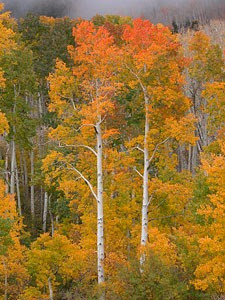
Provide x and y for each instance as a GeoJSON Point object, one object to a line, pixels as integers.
{"type": "Point", "coordinates": [150, 199]}
{"type": "Point", "coordinates": [102, 120]}
{"type": "Point", "coordinates": [84, 125]}
{"type": "Point", "coordinates": [137, 148]}
{"type": "Point", "coordinates": [79, 146]}
{"type": "Point", "coordinates": [138, 78]}
{"type": "Point", "coordinates": [167, 217]}
{"type": "Point", "coordinates": [138, 172]}
{"type": "Point", "coordinates": [85, 179]}
{"type": "Point", "coordinates": [163, 201]}
{"type": "Point", "coordinates": [156, 148]}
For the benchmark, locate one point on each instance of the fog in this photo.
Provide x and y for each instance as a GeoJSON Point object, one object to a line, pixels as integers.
{"type": "Point", "coordinates": [157, 10]}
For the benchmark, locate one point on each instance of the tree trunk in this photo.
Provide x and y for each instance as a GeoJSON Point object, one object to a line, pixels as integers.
{"type": "Point", "coordinates": [144, 223]}
{"type": "Point", "coordinates": [100, 224]}
{"type": "Point", "coordinates": [32, 209]}
{"type": "Point", "coordinates": [51, 215]}
{"type": "Point", "coordinates": [13, 159]}
{"type": "Point", "coordinates": [6, 282]}
{"type": "Point", "coordinates": [50, 289]}
{"type": "Point", "coordinates": [26, 185]}
{"type": "Point", "coordinates": [18, 190]}
{"type": "Point", "coordinates": [6, 170]}
{"type": "Point", "coordinates": [45, 211]}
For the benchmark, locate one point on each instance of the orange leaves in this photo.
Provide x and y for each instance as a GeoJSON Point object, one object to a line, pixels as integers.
{"type": "Point", "coordinates": [110, 133]}
{"type": "Point", "coordinates": [182, 130]}
{"type": "Point", "coordinates": [93, 58]}
{"type": "Point", "coordinates": [140, 35]}
{"type": "Point", "coordinates": [94, 47]}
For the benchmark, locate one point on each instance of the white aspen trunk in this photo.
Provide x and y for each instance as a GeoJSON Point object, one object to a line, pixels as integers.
{"type": "Point", "coordinates": [13, 158]}
{"type": "Point", "coordinates": [50, 289]}
{"type": "Point", "coordinates": [18, 191]}
{"type": "Point", "coordinates": [51, 216]}
{"type": "Point", "coordinates": [26, 185]}
{"type": "Point", "coordinates": [32, 209]}
{"type": "Point", "coordinates": [189, 158]}
{"type": "Point", "coordinates": [6, 170]}
{"type": "Point", "coordinates": [144, 223]}
{"type": "Point", "coordinates": [6, 282]}
{"type": "Point", "coordinates": [100, 221]}
{"type": "Point", "coordinates": [45, 211]}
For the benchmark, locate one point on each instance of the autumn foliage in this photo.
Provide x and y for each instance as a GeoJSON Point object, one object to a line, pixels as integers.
{"type": "Point", "coordinates": [112, 160]}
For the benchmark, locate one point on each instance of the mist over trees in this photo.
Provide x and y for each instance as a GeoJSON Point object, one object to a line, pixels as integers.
{"type": "Point", "coordinates": [157, 11]}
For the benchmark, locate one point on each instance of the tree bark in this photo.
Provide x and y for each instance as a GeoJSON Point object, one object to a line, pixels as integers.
{"type": "Point", "coordinates": [5, 282]}
{"type": "Point", "coordinates": [6, 170]}
{"type": "Point", "coordinates": [144, 223]}
{"type": "Point", "coordinates": [13, 158]}
{"type": "Point", "coordinates": [18, 190]}
{"type": "Point", "coordinates": [50, 289]}
{"type": "Point", "coordinates": [100, 221]}
{"type": "Point", "coordinates": [32, 208]}
{"type": "Point", "coordinates": [51, 215]}
{"type": "Point", "coordinates": [45, 212]}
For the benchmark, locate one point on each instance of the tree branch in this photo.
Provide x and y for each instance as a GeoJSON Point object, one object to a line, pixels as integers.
{"type": "Point", "coordinates": [156, 148]}
{"type": "Point", "coordinates": [84, 125]}
{"type": "Point", "coordinates": [167, 217]}
{"type": "Point", "coordinates": [138, 172]}
{"type": "Point", "coordinates": [85, 179]}
{"type": "Point", "coordinates": [79, 146]}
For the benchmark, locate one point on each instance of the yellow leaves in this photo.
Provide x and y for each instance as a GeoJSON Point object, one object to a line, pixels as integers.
{"type": "Point", "coordinates": [199, 43]}
{"type": "Point", "coordinates": [48, 20]}
{"type": "Point", "coordinates": [2, 79]}
{"type": "Point", "coordinates": [12, 259]}
{"type": "Point", "coordinates": [7, 204]}
{"type": "Point", "coordinates": [182, 130]}
{"type": "Point", "coordinates": [32, 293]}
{"type": "Point", "coordinates": [210, 273]}
{"type": "Point", "coordinates": [214, 93]}
{"type": "Point", "coordinates": [55, 256]}
{"type": "Point", "coordinates": [62, 89]}
{"type": "Point", "coordinates": [161, 246]}
{"type": "Point", "coordinates": [7, 36]}
{"type": "Point", "coordinates": [4, 126]}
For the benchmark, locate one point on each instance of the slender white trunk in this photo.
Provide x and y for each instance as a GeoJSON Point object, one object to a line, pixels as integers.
{"type": "Point", "coordinates": [50, 289]}
{"type": "Point", "coordinates": [13, 160]}
{"type": "Point", "coordinates": [45, 211]}
{"type": "Point", "coordinates": [100, 224]}
{"type": "Point", "coordinates": [144, 224]}
{"type": "Point", "coordinates": [51, 216]}
{"type": "Point", "coordinates": [6, 282]}
{"type": "Point", "coordinates": [18, 190]}
{"type": "Point", "coordinates": [32, 186]}
{"type": "Point", "coordinates": [6, 170]}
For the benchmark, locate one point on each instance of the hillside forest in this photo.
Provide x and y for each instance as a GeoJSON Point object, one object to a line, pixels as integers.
{"type": "Point", "coordinates": [112, 159]}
